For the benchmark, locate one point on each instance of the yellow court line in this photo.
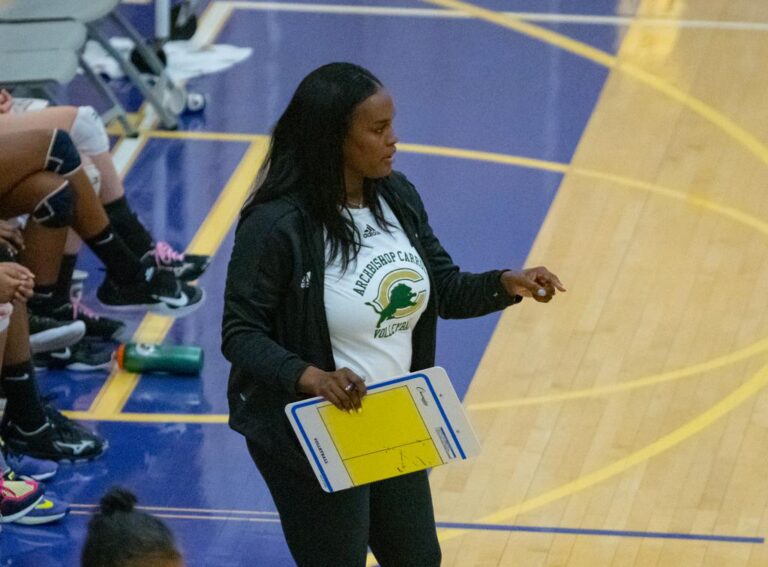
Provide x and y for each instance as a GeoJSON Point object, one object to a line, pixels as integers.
{"type": "Point", "coordinates": [708, 204]}
{"type": "Point", "coordinates": [214, 136]}
{"type": "Point", "coordinates": [221, 14]}
{"type": "Point", "coordinates": [542, 34]}
{"type": "Point", "coordinates": [142, 141]}
{"type": "Point", "coordinates": [725, 360]}
{"type": "Point", "coordinates": [120, 385]}
{"type": "Point", "coordinates": [492, 157]}
{"type": "Point", "coordinates": [130, 417]}
{"type": "Point", "coordinates": [732, 401]}
{"type": "Point", "coordinates": [717, 118]}
{"type": "Point", "coordinates": [731, 213]}
{"type": "Point", "coordinates": [740, 135]}
{"type": "Point", "coordinates": [216, 226]}
{"type": "Point", "coordinates": [114, 128]}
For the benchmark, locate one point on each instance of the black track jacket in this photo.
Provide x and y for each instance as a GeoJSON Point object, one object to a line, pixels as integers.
{"type": "Point", "coordinates": [274, 316]}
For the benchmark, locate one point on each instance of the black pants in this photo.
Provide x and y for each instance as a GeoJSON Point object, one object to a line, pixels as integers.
{"type": "Point", "coordinates": [394, 517]}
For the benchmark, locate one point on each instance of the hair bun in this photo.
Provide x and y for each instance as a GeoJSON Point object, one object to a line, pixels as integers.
{"type": "Point", "coordinates": [117, 500]}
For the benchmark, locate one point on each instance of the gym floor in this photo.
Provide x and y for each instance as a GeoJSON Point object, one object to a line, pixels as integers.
{"type": "Point", "coordinates": [623, 144]}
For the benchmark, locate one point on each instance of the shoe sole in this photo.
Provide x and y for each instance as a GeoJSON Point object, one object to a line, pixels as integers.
{"type": "Point", "coordinates": [59, 458]}
{"type": "Point", "coordinates": [83, 367]}
{"type": "Point", "coordinates": [43, 476]}
{"type": "Point", "coordinates": [37, 477]}
{"type": "Point", "coordinates": [160, 307]}
{"type": "Point", "coordinates": [62, 364]}
{"type": "Point", "coordinates": [65, 459]}
{"type": "Point", "coordinates": [15, 517]}
{"type": "Point", "coordinates": [75, 460]}
{"type": "Point", "coordinates": [178, 312]}
{"type": "Point", "coordinates": [37, 520]}
{"type": "Point", "coordinates": [58, 338]}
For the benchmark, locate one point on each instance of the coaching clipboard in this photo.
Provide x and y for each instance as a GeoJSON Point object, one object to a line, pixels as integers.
{"type": "Point", "coordinates": [408, 424]}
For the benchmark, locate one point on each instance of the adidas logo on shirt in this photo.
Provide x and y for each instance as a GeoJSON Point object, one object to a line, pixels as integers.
{"type": "Point", "coordinates": [370, 231]}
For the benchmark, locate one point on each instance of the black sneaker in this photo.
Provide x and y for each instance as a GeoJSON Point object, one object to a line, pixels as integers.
{"type": "Point", "coordinates": [60, 439]}
{"type": "Point", "coordinates": [96, 326]}
{"type": "Point", "coordinates": [161, 293]}
{"type": "Point", "coordinates": [60, 420]}
{"type": "Point", "coordinates": [46, 333]}
{"type": "Point", "coordinates": [84, 356]}
{"type": "Point", "coordinates": [186, 267]}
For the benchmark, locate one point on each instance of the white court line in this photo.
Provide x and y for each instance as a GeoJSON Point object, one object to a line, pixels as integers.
{"type": "Point", "coordinates": [197, 517]}
{"type": "Point", "coordinates": [130, 147]}
{"type": "Point", "coordinates": [527, 16]}
{"type": "Point", "coordinates": [200, 511]}
{"type": "Point", "coordinates": [208, 26]}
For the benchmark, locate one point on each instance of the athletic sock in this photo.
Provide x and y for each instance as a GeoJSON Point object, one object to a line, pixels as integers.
{"type": "Point", "coordinates": [123, 266]}
{"type": "Point", "coordinates": [24, 406]}
{"type": "Point", "coordinates": [49, 297]}
{"type": "Point", "coordinates": [46, 298]}
{"type": "Point", "coordinates": [67, 269]}
{"type": "Point", "coordinates": [127, 224]}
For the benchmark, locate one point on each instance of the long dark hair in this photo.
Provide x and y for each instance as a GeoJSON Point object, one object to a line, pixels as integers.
{"type": "Point", "coordinates": [305, 156]}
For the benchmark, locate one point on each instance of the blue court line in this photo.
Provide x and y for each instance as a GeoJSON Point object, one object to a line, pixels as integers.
{"type": "Point", "coordinates": [249, 516]}
{"type": "Point", "coordinates": [614, 533]}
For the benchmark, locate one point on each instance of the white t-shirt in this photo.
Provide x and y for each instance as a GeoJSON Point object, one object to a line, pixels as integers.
{"type": "Point", "coordinates": [373, 307]}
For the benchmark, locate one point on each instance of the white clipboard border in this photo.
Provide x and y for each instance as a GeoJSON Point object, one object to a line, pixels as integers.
{"type": "Point", "coordinates": [292, 410]}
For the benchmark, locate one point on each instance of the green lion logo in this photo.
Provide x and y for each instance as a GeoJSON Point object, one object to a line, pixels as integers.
{"type": "Point", "coordinates": [395, 298]}
{"type": "Point", "coordinates": [401, 297]}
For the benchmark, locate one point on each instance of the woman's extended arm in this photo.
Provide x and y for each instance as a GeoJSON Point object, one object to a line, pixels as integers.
{"type": "Point", "coordinates": [465, 294]}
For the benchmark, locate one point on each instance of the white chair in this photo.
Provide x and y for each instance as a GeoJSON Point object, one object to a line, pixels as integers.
{"type": "Point", "coordinates": [38, 68]}
{"type": "Point", "coordinates": [158, 93]}
{"type": "Point", "coordinates": [34, 54]}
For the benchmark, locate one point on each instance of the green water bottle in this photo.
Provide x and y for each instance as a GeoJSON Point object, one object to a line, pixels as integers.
{"type": "Point", "coordinates": [143, 357]}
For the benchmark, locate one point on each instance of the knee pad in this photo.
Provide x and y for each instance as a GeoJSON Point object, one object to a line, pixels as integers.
{"type": "Point", "coordinates": [88, 132]}
{"type": "Point", "coordinates": [62, 157]}
{"type": "Point", "coordinates": [57, 210]}
{"type": "Point", "coordinates": [94, 176]}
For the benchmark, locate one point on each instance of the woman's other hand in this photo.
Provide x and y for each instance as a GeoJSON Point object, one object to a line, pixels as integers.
{"type": "Point", "coordinates": [10, 237]}
{"type": "Point", "coordinates": [16, 283]}
{"type": "Point", "coordinates": [343, 388]}
{"type": "Point", "coordinates": [538, 283]}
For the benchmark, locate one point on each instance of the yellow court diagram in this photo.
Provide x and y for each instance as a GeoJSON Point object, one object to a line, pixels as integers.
{"type": "Point", "coordinates": [388, 439]}
{"type": "Point", "coordinates": [407, 424]}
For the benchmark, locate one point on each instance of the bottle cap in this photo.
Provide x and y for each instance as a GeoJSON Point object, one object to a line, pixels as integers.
{"type": "Point", "coordinates": [120, 356]}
